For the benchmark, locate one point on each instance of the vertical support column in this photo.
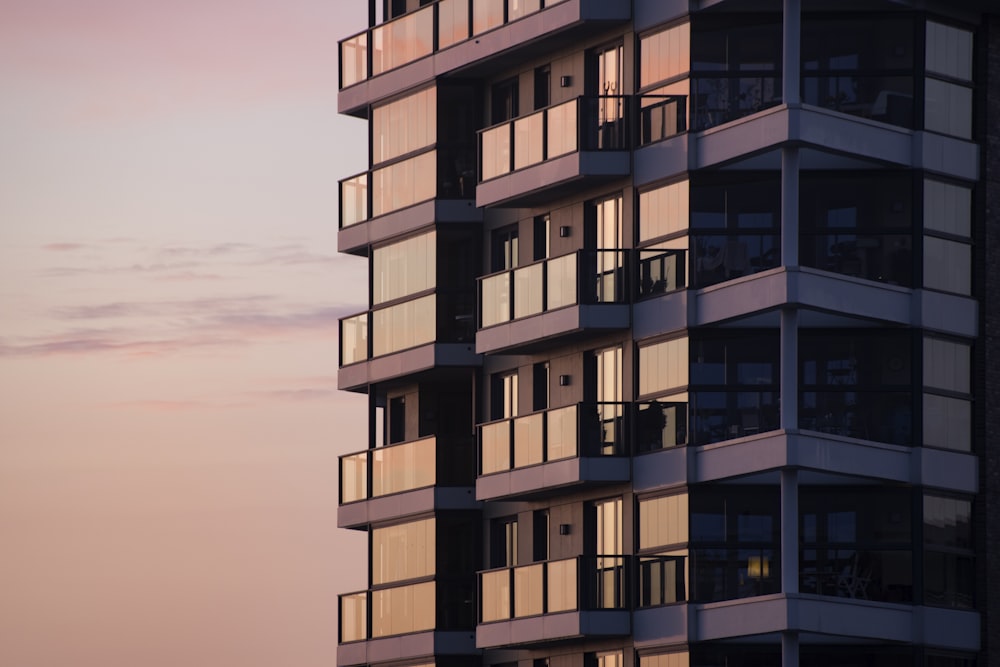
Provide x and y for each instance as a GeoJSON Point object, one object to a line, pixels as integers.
{"type": "Point", "coordinates": [789, 343]}
{"type": "Point", "coordinates": [790, 52]}
{"type": "Point", "coordinates": [789, 206]}
{"type": "Point", "coordinates": [789, 649]}
{"type": "Point", "coordinates": [789, 531]}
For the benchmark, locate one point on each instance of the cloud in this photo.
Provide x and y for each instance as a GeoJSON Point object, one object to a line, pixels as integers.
{"type": "Point", "coordinates": [63, 247]}
{"type": "Point", "coordinates": [304, 394]}
{"type": "Point", "coordinates": [166, 308]}
{"type": "Point", "coordinates": [69, 346]}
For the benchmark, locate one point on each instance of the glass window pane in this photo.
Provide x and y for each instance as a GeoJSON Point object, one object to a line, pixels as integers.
{"type": "Point", "coordinates": [947, 423]}
{"type": "Point", "coordinates": [528, 290]}
{"type": "Point", "coordinates": [562, 585]}
{"type": "Point", "coordinates": [947, 365]}
{"type": "Point", "coordinates": [404, 551]}
{"type": "Point", "coordinates": [404, 268]}
{"type": "Point", "coordinates": [528, 590]}
{"type": "Point", "coordinates": [663, 366]}
{"type": "Point", "coordinates": [495, 596]}
{"type": "Point", "coordinates": [663, 211]}
{"type": "Point", "coordinates": [404, 126]}
{"type": "Point", "coordinates": [453, 22]}
{"type": "Point", "coordinates": [664, 54]}
{"type": "Point", "coordinates": [948, 522]}
{"type": "Point", "coordinates": [947, 208]}
{"type": "Point", "coordinates": [562, 436]}
{"type": "Point", "coordinates": [528, 440]}
{"type": "Point", "coordinates": [948, 108]}
{"type": "Point", "coordinates": [403, 326]}
{"type": "Point", "coordinates": [949, 51]}
{"type": "Point", "coordinates": [561, 282]}
{"type": "Point", "coordinates": [562, 129]}
{"type": "Point", "coordinates": [663, 521]}
{"type": "Point", "coordinates": [528, 140]}
{"type": "Point", "coordinates": [947, 265]}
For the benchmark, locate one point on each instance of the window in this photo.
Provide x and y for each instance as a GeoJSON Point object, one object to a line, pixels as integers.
{"type": "Point", "coordinates": [664, 55]}
{"type": "Point", "coordinates": [540, 535]}
{"type": "Point", "coordinates": [401, 552]}
{"type": "Point", "coordinates": [543, 83]}
{"type": "Point", "coordinates": [504, 394]}
{"type": "Point", "coordinates": [541, 237]}
{"type": "Point", "coordinates": [947, 408]}
{"type": "Point", "coordinates": [404, 126]}
{"type": "Point", "coordinates": [947, 88]}
{"type": "Point", "coordinates": [663, 366]}
{"type": "Point", "coordinates": [404, 268]}
{"type": "Point", "coordinates": [663, 521]}
{"type": "Point", "coordinates": [503, 542]}
{"type": "Point", "coordinates": [540, 386]}
{"type": "Point", "coordinates": [663, 211]}
{"type": "Point", "coordinates": [679, 659]}
{"type": "Point", "coordinates": [505, 252]}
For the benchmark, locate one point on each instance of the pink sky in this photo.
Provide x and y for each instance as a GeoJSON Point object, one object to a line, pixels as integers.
{"type": "Point", "coordinates": [169, 290]}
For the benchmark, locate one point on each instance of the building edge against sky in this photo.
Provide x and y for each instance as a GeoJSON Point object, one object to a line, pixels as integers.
{"type": "Point", "coordinates": [682, 339]}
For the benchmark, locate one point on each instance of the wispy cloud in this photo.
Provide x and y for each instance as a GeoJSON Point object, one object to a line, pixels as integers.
{"type": "Point", "coordinates": [299, 395]}
{"type": "Point", "coordinates": [69, 346]}
{"type": "Point", "coordinates": [63, 247]}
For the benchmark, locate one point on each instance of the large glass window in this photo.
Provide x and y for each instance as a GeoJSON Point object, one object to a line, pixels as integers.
{"type": "Point", "coordinates": [947, 406]}
{"type": "Point", "coordinates": [663, 366]}
{"type": "Point", "coordinates": [664, 55]}
{"type": "Point", "coordinates": [947, 89]}
{"type": "Point", "coordinates": [663, 211]}
{"type": "Point", "coordinates": [404, 268]}
{"type": "Point", "coordinates": [663, 521]}
{"type": "Point", "coordinates": [405, 551]}
{"type": "Point", "coordinates": [858, 224]}
{"type": "Point", "coordinates": [857, 383]}
{"type": "Point", "coordinates": [947, 208]}
{"type": "Point", "coordinates": [949, 572]}
{"type": "Point", "coordinates": [404, 126]}
{"type": "Point", "coordinates": [856, 542]}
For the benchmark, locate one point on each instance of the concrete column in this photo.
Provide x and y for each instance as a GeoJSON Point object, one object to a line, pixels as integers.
{"type": "Point", "coordinates": [789, 206]}
{"type": "Point", "coordinates": [789, 649]}
{"type": "Point", "coordinates": [790, 52]}
{"type": "Point", "coordinates": [789, 344]}
{"type": "Point", "coordinates": [789, 531]}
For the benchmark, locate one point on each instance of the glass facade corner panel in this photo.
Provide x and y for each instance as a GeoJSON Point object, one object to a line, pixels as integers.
{"type": "Point", "coordinates": [561, 586]}
{"type": "Point", "coordinates": [947, 423]}
{"type": "Point", "coordinates": [495, 596]}
{"type": "Point", "coordinates": [561, 433]}
{"type": "Point", "coordinates": [663, 521]}
{"type": "Point", "coordinates": [403, 326]}
{"type": "Point", "coordinates": [453, 22]}
{"type": "Point", "coordinates": [404, 268]}
{"type": "Point", "coordinates": [560, 282]}
{"type": "Point", "coordinates": [404, 184]}
{"type": "Point", "coordinates": [529, 590]}
{"type": "Point", "coordinates": [947, 265]}
{"type": "Point", "coordinates": [947, 208]}
{"type": "Point", "coordinates": [529, 441]}
{"type": "Point", "coordinates": [494, 449]}
{"type": "Point", "coordinates": [948, 108]}
{"type": "Point", "coordinates": [402, 40]}
{"type": "Point", "coordinates": [354, 60]}
{"type": "Point", "coordinates": [404, 126]}
{"type": "Point", "coordinates": [664, 55]}
{"type": "Point", "coordinates": [949, 51]}
{"type": "Point", "coordinates": [663, 211]}
{"type": "Point", "coordinates": [354, 477]}
{"type": "Point", "coordinates": [402, 610]}
{"type": "Point", "coordinates": [354, 339]}
{"type": "Point", "coordinates": [404, 551]}
{"type": "Point", "coordinates": [528, 292]}
{"type": "Point", "coordinates": [486, 15]}
{"type": "Point", "coordinates": [354, 617]}
{"type": "Point", "coordinates": [562, 129]}
{"type": "Point", "coordinates": [495, 149]}
{"type": "Point", "coordinates": [404, 467]}
{"type": "Point", "coordinates": [353, 200]}
{"type": "Point", "coordinates": [529, 140]}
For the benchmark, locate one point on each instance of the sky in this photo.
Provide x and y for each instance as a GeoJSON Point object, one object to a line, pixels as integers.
{"type": "Point", "coordinates": [169, 296]}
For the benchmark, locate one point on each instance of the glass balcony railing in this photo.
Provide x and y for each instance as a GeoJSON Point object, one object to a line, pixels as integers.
{"type": "Point", "coordinates": [661, 270]}
{"type": "Point", "coordinates": [887, 99]}
{"type": "Point", "coordinates": [661, 117]}
{"type": "Point", "coordinates": [433, 318]}
{"type": "Point", "coordinates": [661, 581]}
{"type": "Point", "coordinates": [413, 180]}
{"type": "Point", "coordinates": [718, 99]}
{"type": "Point", "coordinates": [583, 583]}
{"type": "Point", "coordinates": [847, 572]}
{"type": "Point", "coordinates": [882, 416]}
{"type": "Point", "coordinates": [584, 429]}
{"type": "Point", "coordinates": [660, 425]}
{"type": "Point", "coordinates": [725, 415]}
{"type": "Point", "coordinates": [583, 277]}
{"type": "Point", "coordinates": [387, 612]}
{"type": "Point", "coordinates": [583, 123]}
{"type": "Point", "coordinates": [427, 30]}
{"type": "Point", "coordinates": [386, 470]}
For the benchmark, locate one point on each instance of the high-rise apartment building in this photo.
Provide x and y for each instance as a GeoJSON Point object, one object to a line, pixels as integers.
{"type": "Point", "coordinates": [682, 346]}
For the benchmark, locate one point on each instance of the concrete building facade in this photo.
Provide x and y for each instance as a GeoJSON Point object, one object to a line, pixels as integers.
{"type": "Point", "coordinates": [681, 323]}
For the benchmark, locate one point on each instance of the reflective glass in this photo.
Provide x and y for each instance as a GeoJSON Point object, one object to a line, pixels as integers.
{"type": "Point", "coordinates": [404, 551]}
{"type": "Point", "coordinates": [354, 617]}
{"type": "Point", "coordinates": [404, 125]}
{"type": "Point", "coordinates": [562, 129]}
{"type": "Point", "coordinates": [663, 521]}
{"type": "Point", "coordinates": [495, 595]}
{"type": "Point", "coordinates": [948, 522]}
{"type": "Point", "coordinates": [680, 659]}
{"type": "Point", "coordinates": [561, 282]}
{"type": "Point", "coordinates": [947, 422]}
{"type": "Point", "coordinates": [664, 54]}
{"type": "Point", "coordinates": [496, 151]}
{"type": "Point", "coordinates": [663, 211]}
{"type": "Point", "coordinates": [562, 436]}
{"type": "Point", "coordinates": [948, 108]}
{"type": "Point", "coordinates": [354, 477]}
{"type": "Point", "coordinates": [354, 339]}
{"type": "Point", "coordinates": [947, 208]}
{"type": "Point", "coordinates": [947, 265]}
{"type": "Point", "coordinates": [528, 590]}
{"type": "Point", "coordinates": [404, 183]}
{"type": "Point", "coordinates": [453, 22]}
{"type": "Point", "coordinates": [662, 270]}
{"type": "Point", "coordinates": [403, 40]}
{"type": "Point", "coordinates": [401, 610]}
{"type": "Point", "coordinates": [403, 467]}
{"type": "Point", "coordinates": [495, 299]}
{"type": "Point", "coordinates": [403, 326]}
{"type": "Point", "coordinates": [947, 365]}
{"type": "Point", "coordinates": [495, 453]}
{"type": "Point", "coordinates": [663, 366]}
{"type": "Point", "coordinates": [528, 440]}
{"type": "Point", "coordinates": [562, 585]}
{"type": "Point", "coordinates": [404, 268]}
{"type": "Point", "coordinates": [354, 60]}
{"type": "Point", "coordinates": [528, 140]}
{"type": "Point", "coordinates": [353, 200]}
{"type": "Point", "coordinates": [486, 15]}
{"type": "Point", "coordinates": [949, 51]}
{"type": "Point", "coordinates": [518, 8]}
{"type": "Point", "coordinates": [528, 290]}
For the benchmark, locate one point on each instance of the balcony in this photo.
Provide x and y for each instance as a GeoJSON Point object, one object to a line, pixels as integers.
{"type": "Point", "coordinates": [403, 479]}
{"type": "Point", "coordinates": [576, 445]}
{"type": "Point", "coordinates": [475, 37]}
{"type": "Point", "coordinates": [553, 601]}
{"type": "Point", "coordinates": [523, 308]}
{"type": "Point", "coordinates": [405, 196]}
{"type": "Point", "coordinates": [409, 621]}
{"type": "Point", "coordinates": [577, 143]}
{"type": "Point", "coordinates": [414, 336]}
